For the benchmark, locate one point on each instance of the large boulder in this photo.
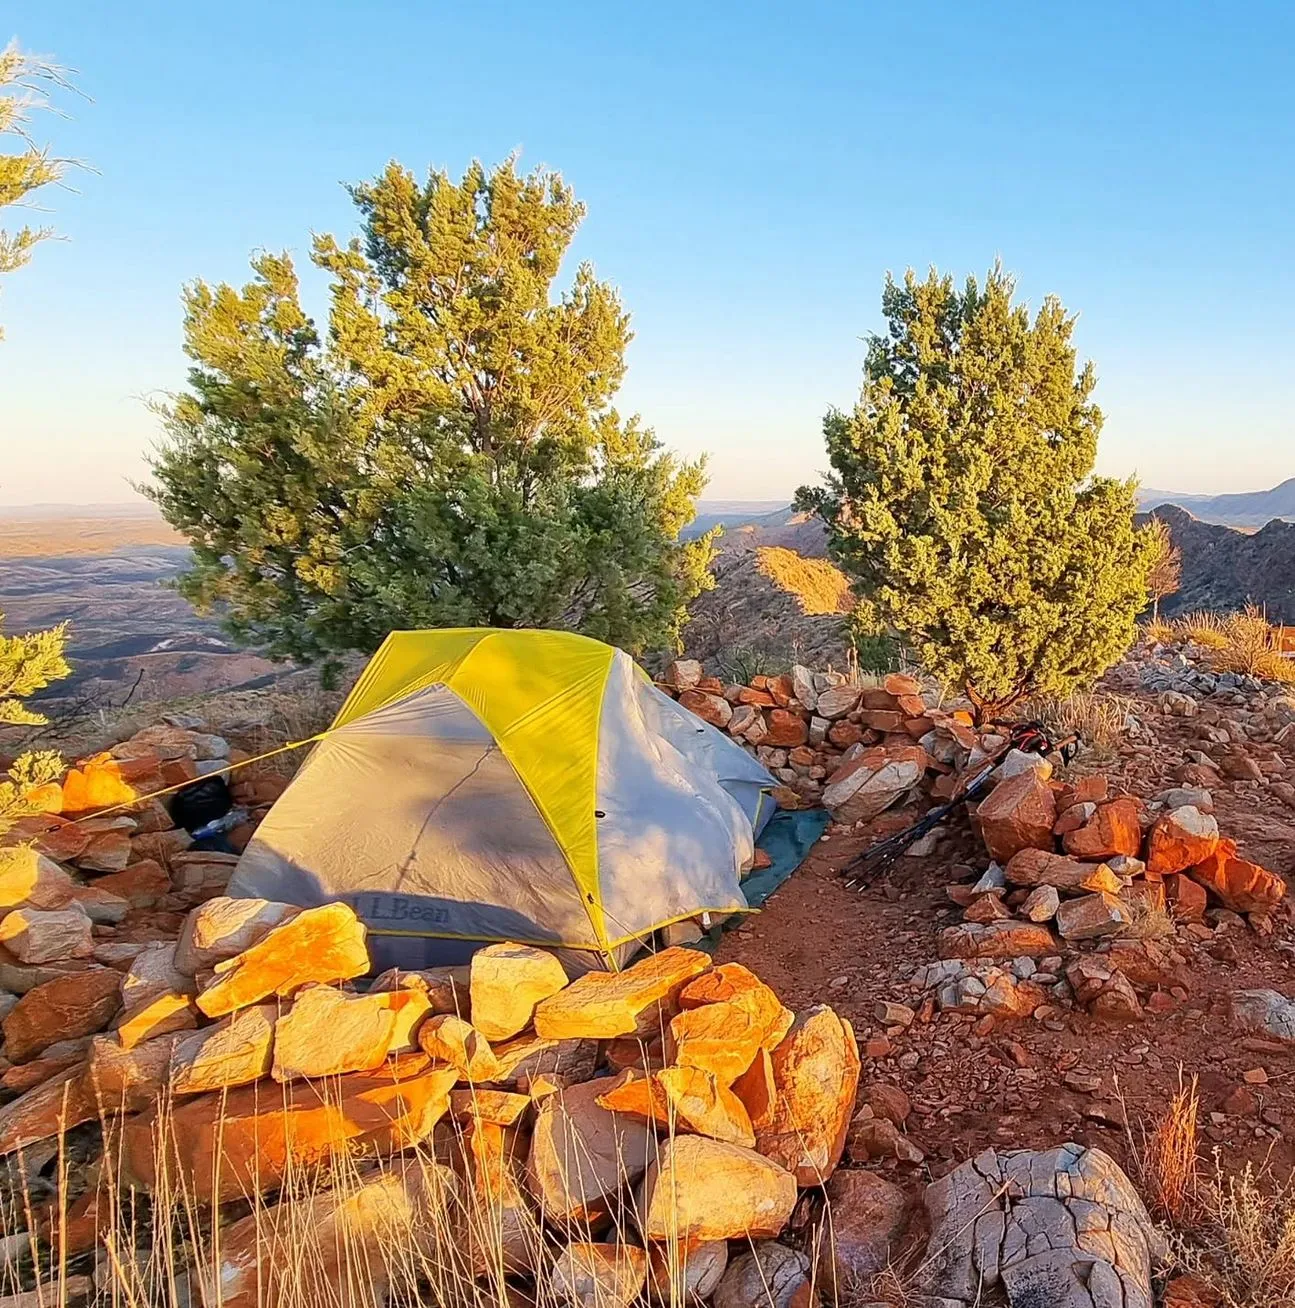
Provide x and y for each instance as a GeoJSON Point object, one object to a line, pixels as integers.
{"type": "Point", "coordinates": [1242, 886]}
{"type": "Point", "coordinates": [1039, 867]}
{"type": "Point", "coordinates": [30, 880]}
{"type": "Point", "coordinates": [638, 1001]}
{"type": "Point", "coordinates": [731, 983]}
{"type": "Point", "coordinates": [816, 1075]}
{"type": "Point", "coordinates": [861, 1229]}
{"type": "Point", "coordinates": [1113, 829]}
{"type": "Point", "coordinates": [47, 1110]}
{"type": "Point", "coordinates": [44, 935]}
{"type": "Point", "coordinates": [1018, 814]}
{"type": "Point", "coordinates": [344, 1238]}
{"type": "Point", "coordinates": [1058, 1227]}
{"type": "Point", "coordinates": [327, 1032]}
{"type": "Point", "coordinates": [997, 940]}
{"type": "Point", "coordinates": [323, 944]}
{"type": "Point", "coordinates": [507, 981]}
{"type": "Point", "coordinates": [235, 1051]}
{"type": "Point", "coordinates": [79, 1004]}
{"type": "Point", "coordinates": [588, 1275]}
{"type": "Point", "coordinates": [719, 1038]}
{"type": "Point", "coordinates": [1181, 838]}
{"type": "Point", "coordinates": [769, 1275]}
{"type": "Point", "coordinates": [1265, 1012]}
{"type": "Point", "coordinates": [698, 1189]}
{"type": "Point", "coordinates": [248, 1140]}
{"type": "Point", "coordinates": [581, 1155]}
{"type": "Point", "coordinates": [682, 1099]}
{"type": "Point", "coordinates": [874, 780]}
{"type": "Point", "coordinates": [223, 928]}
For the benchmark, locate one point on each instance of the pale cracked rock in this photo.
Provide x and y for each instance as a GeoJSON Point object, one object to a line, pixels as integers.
{"type": "Point", "coordinates": [1091, 916]}
{"type": "Point", "coordinates": [1058, 1227]}
{"type": "Point", "coordinates": [1266, 1012]}
{"type": "Point", "coordinates": [770, 1275]}
{"type": "Point", "coordinates": [223, 927]}
{"type": "Point", "coordinates": [36, 935]}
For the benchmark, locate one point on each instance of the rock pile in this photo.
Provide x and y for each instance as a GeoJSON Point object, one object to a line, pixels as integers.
{"type": "Point", "coordinates": [857, 750]}
{"type": "Point", "coordinates": [595, 1126]}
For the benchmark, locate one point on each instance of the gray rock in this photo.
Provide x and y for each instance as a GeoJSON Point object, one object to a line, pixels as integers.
{"type": "Point", "coordinates": [769, 1276]}
{"type": "Point", "coordinates": [993, 878]}
{"type": "Point", "coordinates": [1265, 1012]}
{"type": "Point", "coordinates": [1054, 1228]}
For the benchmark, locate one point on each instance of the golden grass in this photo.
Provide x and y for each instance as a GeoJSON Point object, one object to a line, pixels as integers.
{"type": "Point", "coordinates": [1253, 647]}
{"type": "Point", "coordinates": [1096, 716]}
{"type": "Point", "coordinates": [1147, 921]}
{"type": "Point", "coordinates": [818, 585]}
{"type": "Point", "coordinates": [1167, 1157]}
{"type": "Point", "coordinates": [446, 1222]}
{"type": "Point", "coordinates": [1203, 628]}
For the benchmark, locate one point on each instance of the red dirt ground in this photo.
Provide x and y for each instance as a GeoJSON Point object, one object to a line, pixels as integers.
{"type": "Point", "coordinates": [819, 940]}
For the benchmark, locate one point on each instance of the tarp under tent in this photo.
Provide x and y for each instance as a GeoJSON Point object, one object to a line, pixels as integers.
{"type": "Point", "coordinates": [482, 785]}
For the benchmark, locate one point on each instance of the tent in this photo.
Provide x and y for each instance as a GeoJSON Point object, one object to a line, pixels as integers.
{"type": "Point", "coordinates": [483, 785]}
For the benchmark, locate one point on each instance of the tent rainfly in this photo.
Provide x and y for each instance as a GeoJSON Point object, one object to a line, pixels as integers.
{"type": "Point", "coordinates": [483, 785]}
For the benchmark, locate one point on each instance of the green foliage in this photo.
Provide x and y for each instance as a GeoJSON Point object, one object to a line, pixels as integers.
{"type": "Point", "coordinates": [25, 84]}
{"type": "Point", "coordinates": [874, 650]}
{"type": "Point", "coordinates": [28, 663]}
{"type": "Point", "coordinates": [446, 454]}
{"type": "Point", "coordinates": [962, 500]}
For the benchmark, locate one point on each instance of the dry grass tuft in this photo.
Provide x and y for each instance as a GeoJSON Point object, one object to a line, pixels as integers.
{"type": "Point", "coordinates": [1160, 631]}
{"type": "Point", "coordinates": [1253, 647]}
{"type": "Point", "coordinates": [1167, 1159]}
{"type": "Point", "coordinates": [1147, 921]}
{"type": "Point", "coordinates": [820, 586]}
{"type": "Point", "coordinates": [1203, 628]}
{"type": "Point", "coordinates": [1097, 717]}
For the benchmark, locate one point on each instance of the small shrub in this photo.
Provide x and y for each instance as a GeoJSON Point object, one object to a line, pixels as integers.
{"type": "Point", "coordinates": [1252, 647]}
{"type": "Point", "coordinates": [1096, 717]}
{"type": "Point", "coordinates": [1205, 629]}
{"type": "Point", "coordinates": [1243, 1244]}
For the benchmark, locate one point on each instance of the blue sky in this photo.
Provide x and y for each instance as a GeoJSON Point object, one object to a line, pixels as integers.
{"type": "Point", "coordinates": [751, 173]}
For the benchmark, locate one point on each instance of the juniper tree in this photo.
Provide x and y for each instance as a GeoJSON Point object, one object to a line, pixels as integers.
{"type": "Point", "coordinates": [446, 452]}
{"type": "Point", "coordinates": [25, 167]}
{"type": "Point", "coordinates": [961, 497]}
{"type": "Point", "coordinates": [28, 663]}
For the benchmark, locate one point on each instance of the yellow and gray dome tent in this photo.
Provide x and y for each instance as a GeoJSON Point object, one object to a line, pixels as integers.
{"type": "Point", "coordinates": [483, 785]}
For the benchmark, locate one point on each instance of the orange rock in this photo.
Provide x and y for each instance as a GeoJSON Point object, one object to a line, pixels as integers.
{"type": "Point", "coordinates": [157, 1015]}
{"type": "Point", "coordinates": [501, 1107]}
{"type": "Point", "coordinates": [732, 983]}
{"type": "Point", "coordinates": [459, 1043]}
{"type": "Point", "coordinates": [327, 1032]}
{"type": "Point", "coordinates": [47, 1111]}
{"type": "Point", "coordinates": [107, 851]}
{"type": "Point", "coordinates": [755, 696]}
{"type": "Point", "coordinates": [97, 783]}
{"type": "Point", "coordinates": [502, 1231]}
{"type": "Point", "coordinates": [602, 1005]}
{"type": "Point", "coordinates": [581, 1155]}
{"type": "Point", "coordinates": [1019, 814]}
{"type": "Point", "coordinates": [997, 940]}
{"type": "Point", "coordinates": [710, 708]}
{"type": "Point", "coordinates": [45, 799]}
{"type": "Point", "coordinates": [1242, 886]}
{"type": "Point", "coordinates": [699, 1189]}
{"type": "Point", "coordinates": [785, 728]}
{"type": "Point", "coordinates": [590, 1275]}
{"type": "Point", "coordinates": [340, 1238]}
{"type": "Point", "coordinates": [30, 880]}
{"type": "Point", "coordinates": [719, 1038]}
{"type": "Point", "coordinates": [1113, 829]}
{"type": "Point", "coordinates": [47, 935]}
{"type": "Point", "coordinates": [140, 884]}
{"type": "Point", "coordinates": [233, 1052]}
{"type": "Point", "coordinates": [1037, 867]}
{"type": "Point", "coordinates": [65, 1008]}
{"type": "Point", "coordinates": [900, 683]}
{"type": "Point", "coordinates": [816, 1072]}
{"type": "Point", "coordinates": [683, 1099]}
{"type": "Point", "coordinates": [758, 1091]}
{"type": "Point", "coordinates": [65, 842]}
{"type": "Point", "coordinates": [323, 944]}
{"type": "Point", "coordinates": [506, 982]}
{"type": "Point", "coordinates": [22, 1077]}
{"type": "Point", "coordinates": [128, 1079]}
{"type": "Point", "coordinates": [1187, 898]}
{"type": "Point", "coordinates": [244, 1141]}
{"type": "Point", "coordinates": [160, 845]}
{"type": "Point", "coordinates": [1180, 839]}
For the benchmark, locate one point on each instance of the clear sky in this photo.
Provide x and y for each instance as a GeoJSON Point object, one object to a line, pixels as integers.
{"type": "Point", "coordinates": [751, 173]}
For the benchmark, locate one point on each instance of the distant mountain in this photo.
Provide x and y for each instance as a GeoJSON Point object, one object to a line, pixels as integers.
{"type": "Point", "coordinates": [737, 513]}
{"type": "Point", "coordinates": [1244, 509]}
{"type": "Point", "coordinates": [1226, 569]}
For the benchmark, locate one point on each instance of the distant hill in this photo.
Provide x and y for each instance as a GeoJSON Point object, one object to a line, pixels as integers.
{"type": "Point", "coordinates": [1242, 509]}
{"type": "Point", "coordinates": [1226, 569]}
{"type": "Point", "coordinates": [737, 513]}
